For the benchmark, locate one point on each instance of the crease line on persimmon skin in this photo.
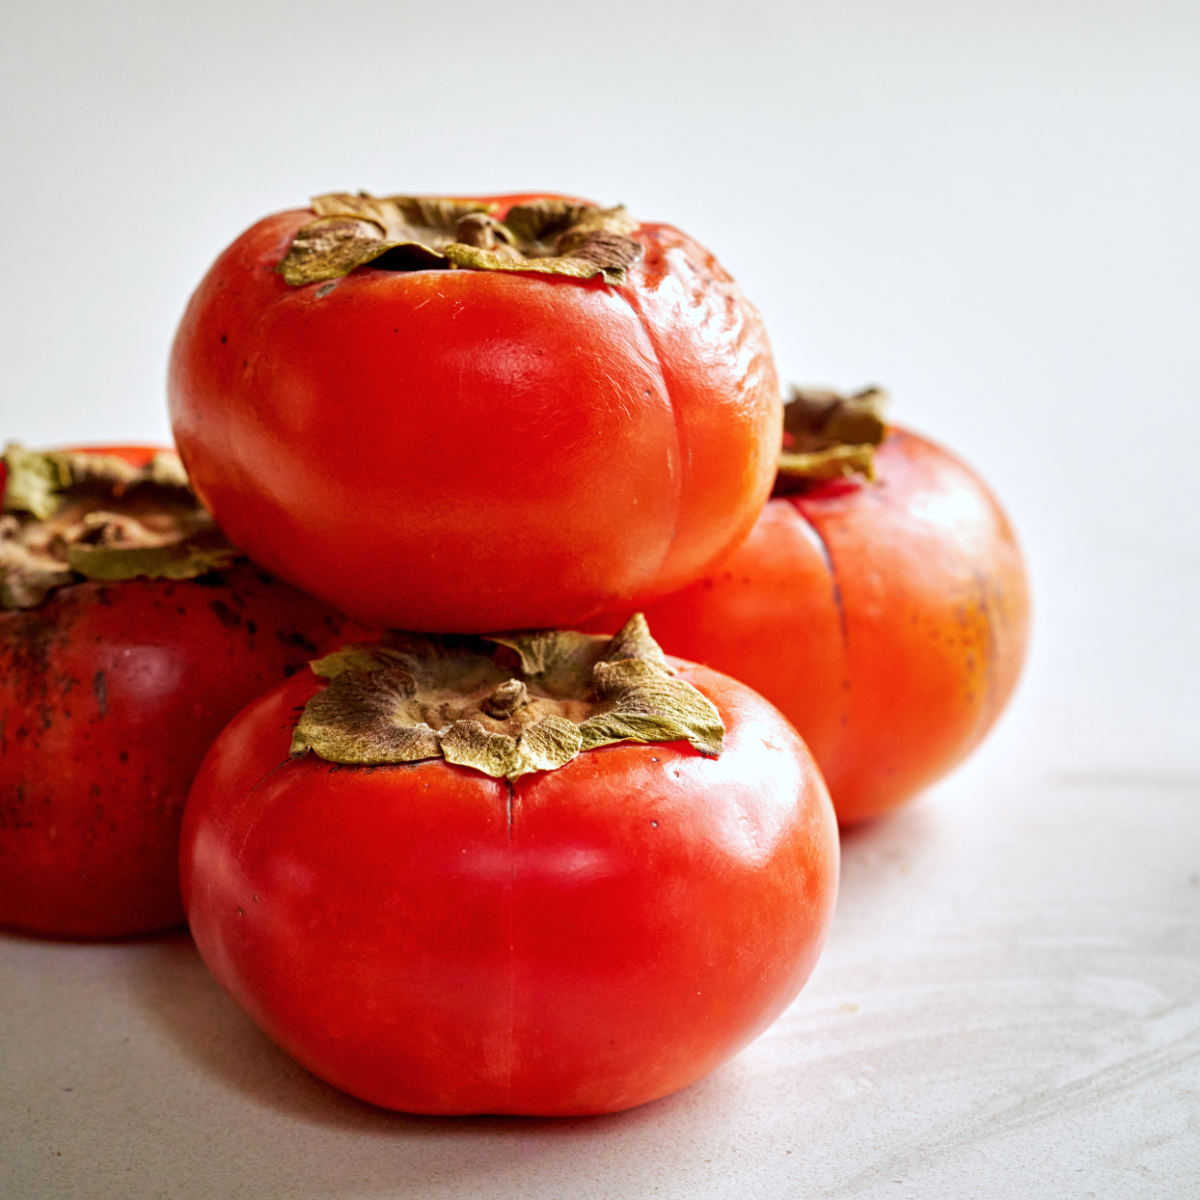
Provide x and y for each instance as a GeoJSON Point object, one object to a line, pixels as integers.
{"type": "Point", "coordinates": [682, 448]}
{"type": "Point", "coordinates": [835, 587]}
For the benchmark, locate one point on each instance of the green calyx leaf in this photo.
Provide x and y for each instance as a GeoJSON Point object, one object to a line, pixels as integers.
{"type": "Point", "coordinates": [505, 705]}
{"type": "Point", "coordinates": [71, 516]}
{"type": "Point", "coordinates": [828, 435]}
{"type": "Point", "coordinates": [409, 233]}
{"type": "Point", "coordinates": [188, 559]}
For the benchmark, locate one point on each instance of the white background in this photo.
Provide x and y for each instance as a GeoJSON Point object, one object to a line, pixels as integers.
{"type": "Point", "coordinates": [991, 208]}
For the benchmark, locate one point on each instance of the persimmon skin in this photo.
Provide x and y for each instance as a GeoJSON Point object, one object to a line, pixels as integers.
{"type": "Point", "coordinates": [579, 941]}
{"type": "Point", "coordinates": [459, 450]}
{"type": "Point", "coordinates": [888, 620]}
{"type": "Point", "coordinates": [110, 694]}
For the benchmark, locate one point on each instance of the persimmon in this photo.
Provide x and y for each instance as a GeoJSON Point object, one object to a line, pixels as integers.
{"type": "Point", "coordinates": [130, 633]}
{"type": "Point", "coordinates": [542, 874]}
{"type": "Point", "coordinates": [880, 602]}
{"type": "Point", "coordinates": [471, 415]}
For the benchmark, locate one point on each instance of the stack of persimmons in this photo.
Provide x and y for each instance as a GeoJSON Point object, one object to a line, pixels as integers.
{"type": "Point", "coordinates": [381, 696]}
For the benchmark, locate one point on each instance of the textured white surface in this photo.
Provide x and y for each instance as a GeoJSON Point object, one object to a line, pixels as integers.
{"type": "Point", "coordinates": [989, 208]}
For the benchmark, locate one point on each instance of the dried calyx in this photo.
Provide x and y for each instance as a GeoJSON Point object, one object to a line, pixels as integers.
{"type": "Point", "coordinates": [71, 515]}
{"type": "Point", "coordinates": [412, 233]}
{"type": "Point", "coordinates": [828, 435]}
{"type": "Point", "coordinates": [505, 705]}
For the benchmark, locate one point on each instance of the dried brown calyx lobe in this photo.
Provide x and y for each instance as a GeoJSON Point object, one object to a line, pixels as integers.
{"type": "Point", "coordinates": [71, 515]}
{"type": "Point", "coordinates": [505, 705]}
{"type": "Point", "coordinates": [829, 435]}
{"type": "Point", "coordinates": [412, 233]}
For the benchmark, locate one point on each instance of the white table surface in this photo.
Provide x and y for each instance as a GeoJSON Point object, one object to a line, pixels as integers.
{"type": "Point", "coordinates": [991, 208]}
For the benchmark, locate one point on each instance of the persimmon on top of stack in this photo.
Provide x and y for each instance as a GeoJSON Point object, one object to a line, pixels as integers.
{"type": "Point", "coordinates": [474, 415]}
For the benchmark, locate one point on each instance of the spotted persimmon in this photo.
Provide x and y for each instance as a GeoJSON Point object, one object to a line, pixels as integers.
{"type": "Point", "coordinates": [130, 632]}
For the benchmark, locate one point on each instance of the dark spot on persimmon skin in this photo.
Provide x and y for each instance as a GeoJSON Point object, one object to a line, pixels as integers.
{"type": "Point", "coordinates": [123, 756]}
{"type": "Point", "coordinates": [225, 614]}
{"type": "Point", "coordinates": [224, 339]}
{"type": "Point", "coordinates": [12, 807]}
{"type": "Point", "coordinates": [211, 579]}
{"type": "Point", "coordinates": [297, 639]}
{"type": "Point", "coordinates": [26, 642]}
{"type": "Point", "coordinates": [100, 690]}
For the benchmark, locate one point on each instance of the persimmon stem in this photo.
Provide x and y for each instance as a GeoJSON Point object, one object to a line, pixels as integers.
{"type": "Point", "coordinates": [410, 233]}
{"type": "Point", "coordinates": [505, 705]}
{"type": "Point", "coordinates": [828, 435]}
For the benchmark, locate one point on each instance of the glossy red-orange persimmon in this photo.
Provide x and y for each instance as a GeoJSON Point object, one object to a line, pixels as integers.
{"type": "Point", "coordinates": [110, 694]}
{"type": "Point", "coordinates": [463, 450]}
{"type": "Point", "coordinates": [888, 620]}
{"type": "Point", "coordinates": [580, 940]}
